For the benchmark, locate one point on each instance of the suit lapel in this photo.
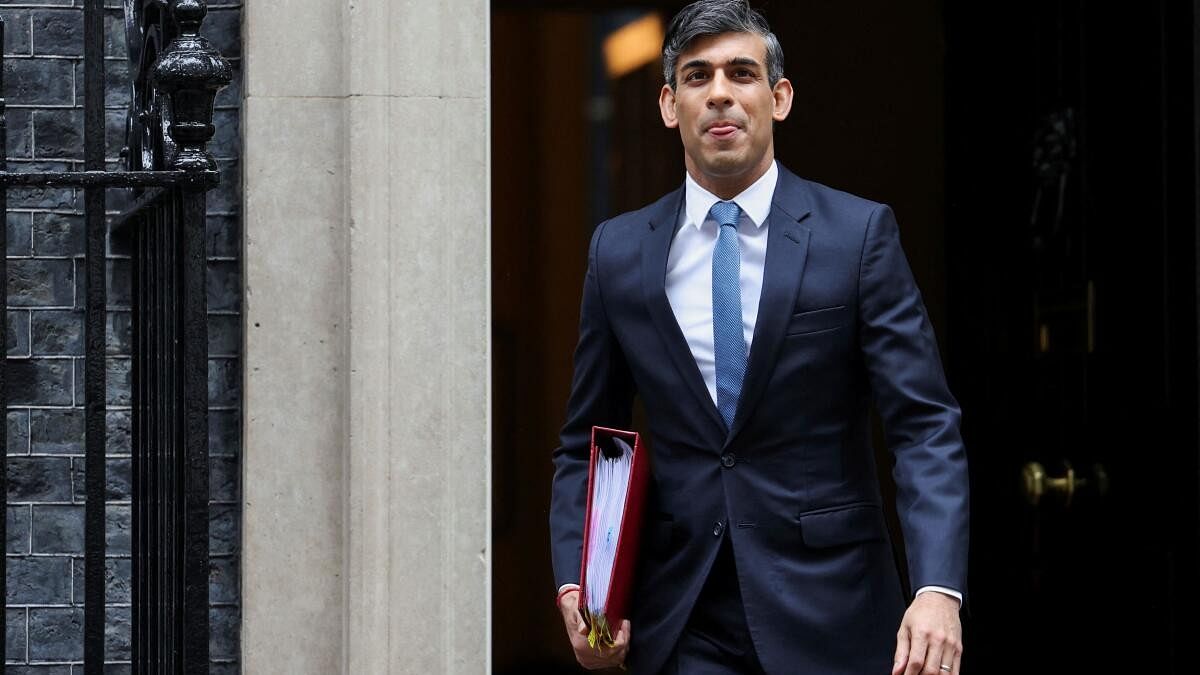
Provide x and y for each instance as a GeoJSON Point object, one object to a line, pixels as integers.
{"type": "Point", "coordinates": [656, 246]}
{"type": "Point", "coordinates": [787, 252]}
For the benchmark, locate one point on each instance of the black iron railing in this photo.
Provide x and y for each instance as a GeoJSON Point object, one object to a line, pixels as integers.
{"type": "Point", "coordinates": [175, 77]}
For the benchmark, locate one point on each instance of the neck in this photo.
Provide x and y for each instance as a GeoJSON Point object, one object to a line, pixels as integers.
{"type": "Point", "coordinates": [730, 186]}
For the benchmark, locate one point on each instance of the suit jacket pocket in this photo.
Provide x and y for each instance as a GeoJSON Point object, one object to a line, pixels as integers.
{"type": "Point", "coordinates": [818, 320]}
{"type": "Point", "coordinates": [842, 525]}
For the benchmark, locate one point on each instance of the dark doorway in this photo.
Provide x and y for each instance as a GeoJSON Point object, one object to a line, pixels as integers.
{"type": "Point", "coordinates": [934, 108]}
{"type": "Point", "coordinates": [1071, 249]}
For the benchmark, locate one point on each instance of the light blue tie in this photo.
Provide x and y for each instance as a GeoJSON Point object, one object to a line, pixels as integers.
{"type": "Point", "coordinates": [729, 342]}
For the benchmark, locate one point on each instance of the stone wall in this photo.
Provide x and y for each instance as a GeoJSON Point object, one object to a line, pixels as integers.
{"type": "Point", "coordinates": [44, 90]}
{"type": "Point", "coordinates": [366, 160]}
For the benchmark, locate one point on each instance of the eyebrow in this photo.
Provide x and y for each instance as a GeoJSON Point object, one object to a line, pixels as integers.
{"type": "Point", "coordinates": [735, 61]}
{"type": "Point", "coordinates": [742, 61]}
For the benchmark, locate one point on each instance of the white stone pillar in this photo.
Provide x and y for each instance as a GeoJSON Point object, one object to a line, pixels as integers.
{"type": "Point", "coordinates": [366, 523]}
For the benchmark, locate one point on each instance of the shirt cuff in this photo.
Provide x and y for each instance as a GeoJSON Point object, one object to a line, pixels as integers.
{"type": "Point", "coordinates": [562, 590]}
{"type": "Point", "coordinates": [940, 589]}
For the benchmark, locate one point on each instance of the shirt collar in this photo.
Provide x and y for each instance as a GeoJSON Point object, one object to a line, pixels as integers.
{"type": "Point", "coordinates": [754, 201]}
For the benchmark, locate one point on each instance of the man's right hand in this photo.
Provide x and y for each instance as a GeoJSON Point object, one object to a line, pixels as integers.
{"type": "Point", "coordinates": [589, 657]}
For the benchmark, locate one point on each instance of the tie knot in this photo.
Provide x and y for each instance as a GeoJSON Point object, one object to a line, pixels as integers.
{"type": "Point", "coordinates": [726, 213]}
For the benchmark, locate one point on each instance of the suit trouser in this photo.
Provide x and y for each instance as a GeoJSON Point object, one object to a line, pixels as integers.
{"type": "Point", "coordinates": [716, 640]}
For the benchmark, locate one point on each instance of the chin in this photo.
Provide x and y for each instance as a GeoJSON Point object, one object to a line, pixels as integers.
{"type": "Point", "coordinates": [726, 165]}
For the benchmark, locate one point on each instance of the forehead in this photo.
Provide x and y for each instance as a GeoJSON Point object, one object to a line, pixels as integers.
{"type": "Point", "coordinates": [725, 46]}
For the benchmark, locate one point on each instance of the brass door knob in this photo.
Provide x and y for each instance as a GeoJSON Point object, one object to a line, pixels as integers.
{"type": "Point", "coordinates": [1037, 483]}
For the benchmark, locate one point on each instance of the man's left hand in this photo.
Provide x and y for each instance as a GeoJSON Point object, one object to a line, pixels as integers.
{"type": "Point", "coordinates": [930, 637]}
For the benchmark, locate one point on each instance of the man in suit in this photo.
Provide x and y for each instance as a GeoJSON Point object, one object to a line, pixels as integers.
{"type": "Point", "coordinates": [758, 315]}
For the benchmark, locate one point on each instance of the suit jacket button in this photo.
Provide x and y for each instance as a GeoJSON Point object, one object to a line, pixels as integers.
{"type": "Point", "coordinates": [719, 528]}
{"type": "Point", "coordinates": [728, 460]}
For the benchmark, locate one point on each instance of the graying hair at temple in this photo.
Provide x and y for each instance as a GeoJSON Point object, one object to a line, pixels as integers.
{"type": "Point", "coordinates": [713, 17]}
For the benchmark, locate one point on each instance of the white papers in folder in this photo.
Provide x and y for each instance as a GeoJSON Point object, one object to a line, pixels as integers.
{"type": "Point", "coordinates": [610, 485]}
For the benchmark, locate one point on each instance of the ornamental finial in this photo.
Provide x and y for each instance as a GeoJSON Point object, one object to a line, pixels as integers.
{"type": "Point", "coordinates": [191, 71]}
{"type": "Point", "coordinates": [189, 14]}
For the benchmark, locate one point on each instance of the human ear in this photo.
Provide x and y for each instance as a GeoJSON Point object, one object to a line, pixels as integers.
{"type": "Point", "coordinates": [782, 93]}
{"type": "Point", "coordinates": [666, 106]}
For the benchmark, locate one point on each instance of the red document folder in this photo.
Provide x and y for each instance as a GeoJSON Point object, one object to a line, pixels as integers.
{"type": "Point", "coordinates": [606, 620]}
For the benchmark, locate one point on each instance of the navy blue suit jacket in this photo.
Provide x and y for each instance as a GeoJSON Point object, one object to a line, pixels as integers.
{"type": "Point", "coordinates": [841, 324]}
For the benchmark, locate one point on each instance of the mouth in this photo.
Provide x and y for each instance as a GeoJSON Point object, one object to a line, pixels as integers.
{"type": "Point", "coordinates": [722, 130]}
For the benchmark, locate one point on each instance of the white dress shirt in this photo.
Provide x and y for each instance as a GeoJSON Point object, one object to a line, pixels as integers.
{"type": "Point", "coordinates": [689, 276]}
{"type": "Point", "coordinates": [689, 265]}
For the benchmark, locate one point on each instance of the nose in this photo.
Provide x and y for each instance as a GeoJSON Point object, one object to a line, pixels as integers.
{"type": "Point", "coordinates": [719, 92]}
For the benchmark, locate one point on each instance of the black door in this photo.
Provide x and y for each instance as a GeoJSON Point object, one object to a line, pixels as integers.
{"type": "Point", "coordinates": [1071, 240]}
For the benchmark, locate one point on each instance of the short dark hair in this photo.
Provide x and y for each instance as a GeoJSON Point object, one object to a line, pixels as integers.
{"type": "Point", "coordinates": [713, 17]}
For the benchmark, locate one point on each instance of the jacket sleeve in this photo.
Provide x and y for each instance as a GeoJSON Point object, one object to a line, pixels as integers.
{"type": "Point", "coordinates": [920, 415]}
{"type": "Point", "coordinates": [601, 394]}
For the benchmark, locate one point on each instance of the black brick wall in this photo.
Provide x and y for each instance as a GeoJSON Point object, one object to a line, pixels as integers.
{"type": "Point", "coordinates": [44, 91]}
